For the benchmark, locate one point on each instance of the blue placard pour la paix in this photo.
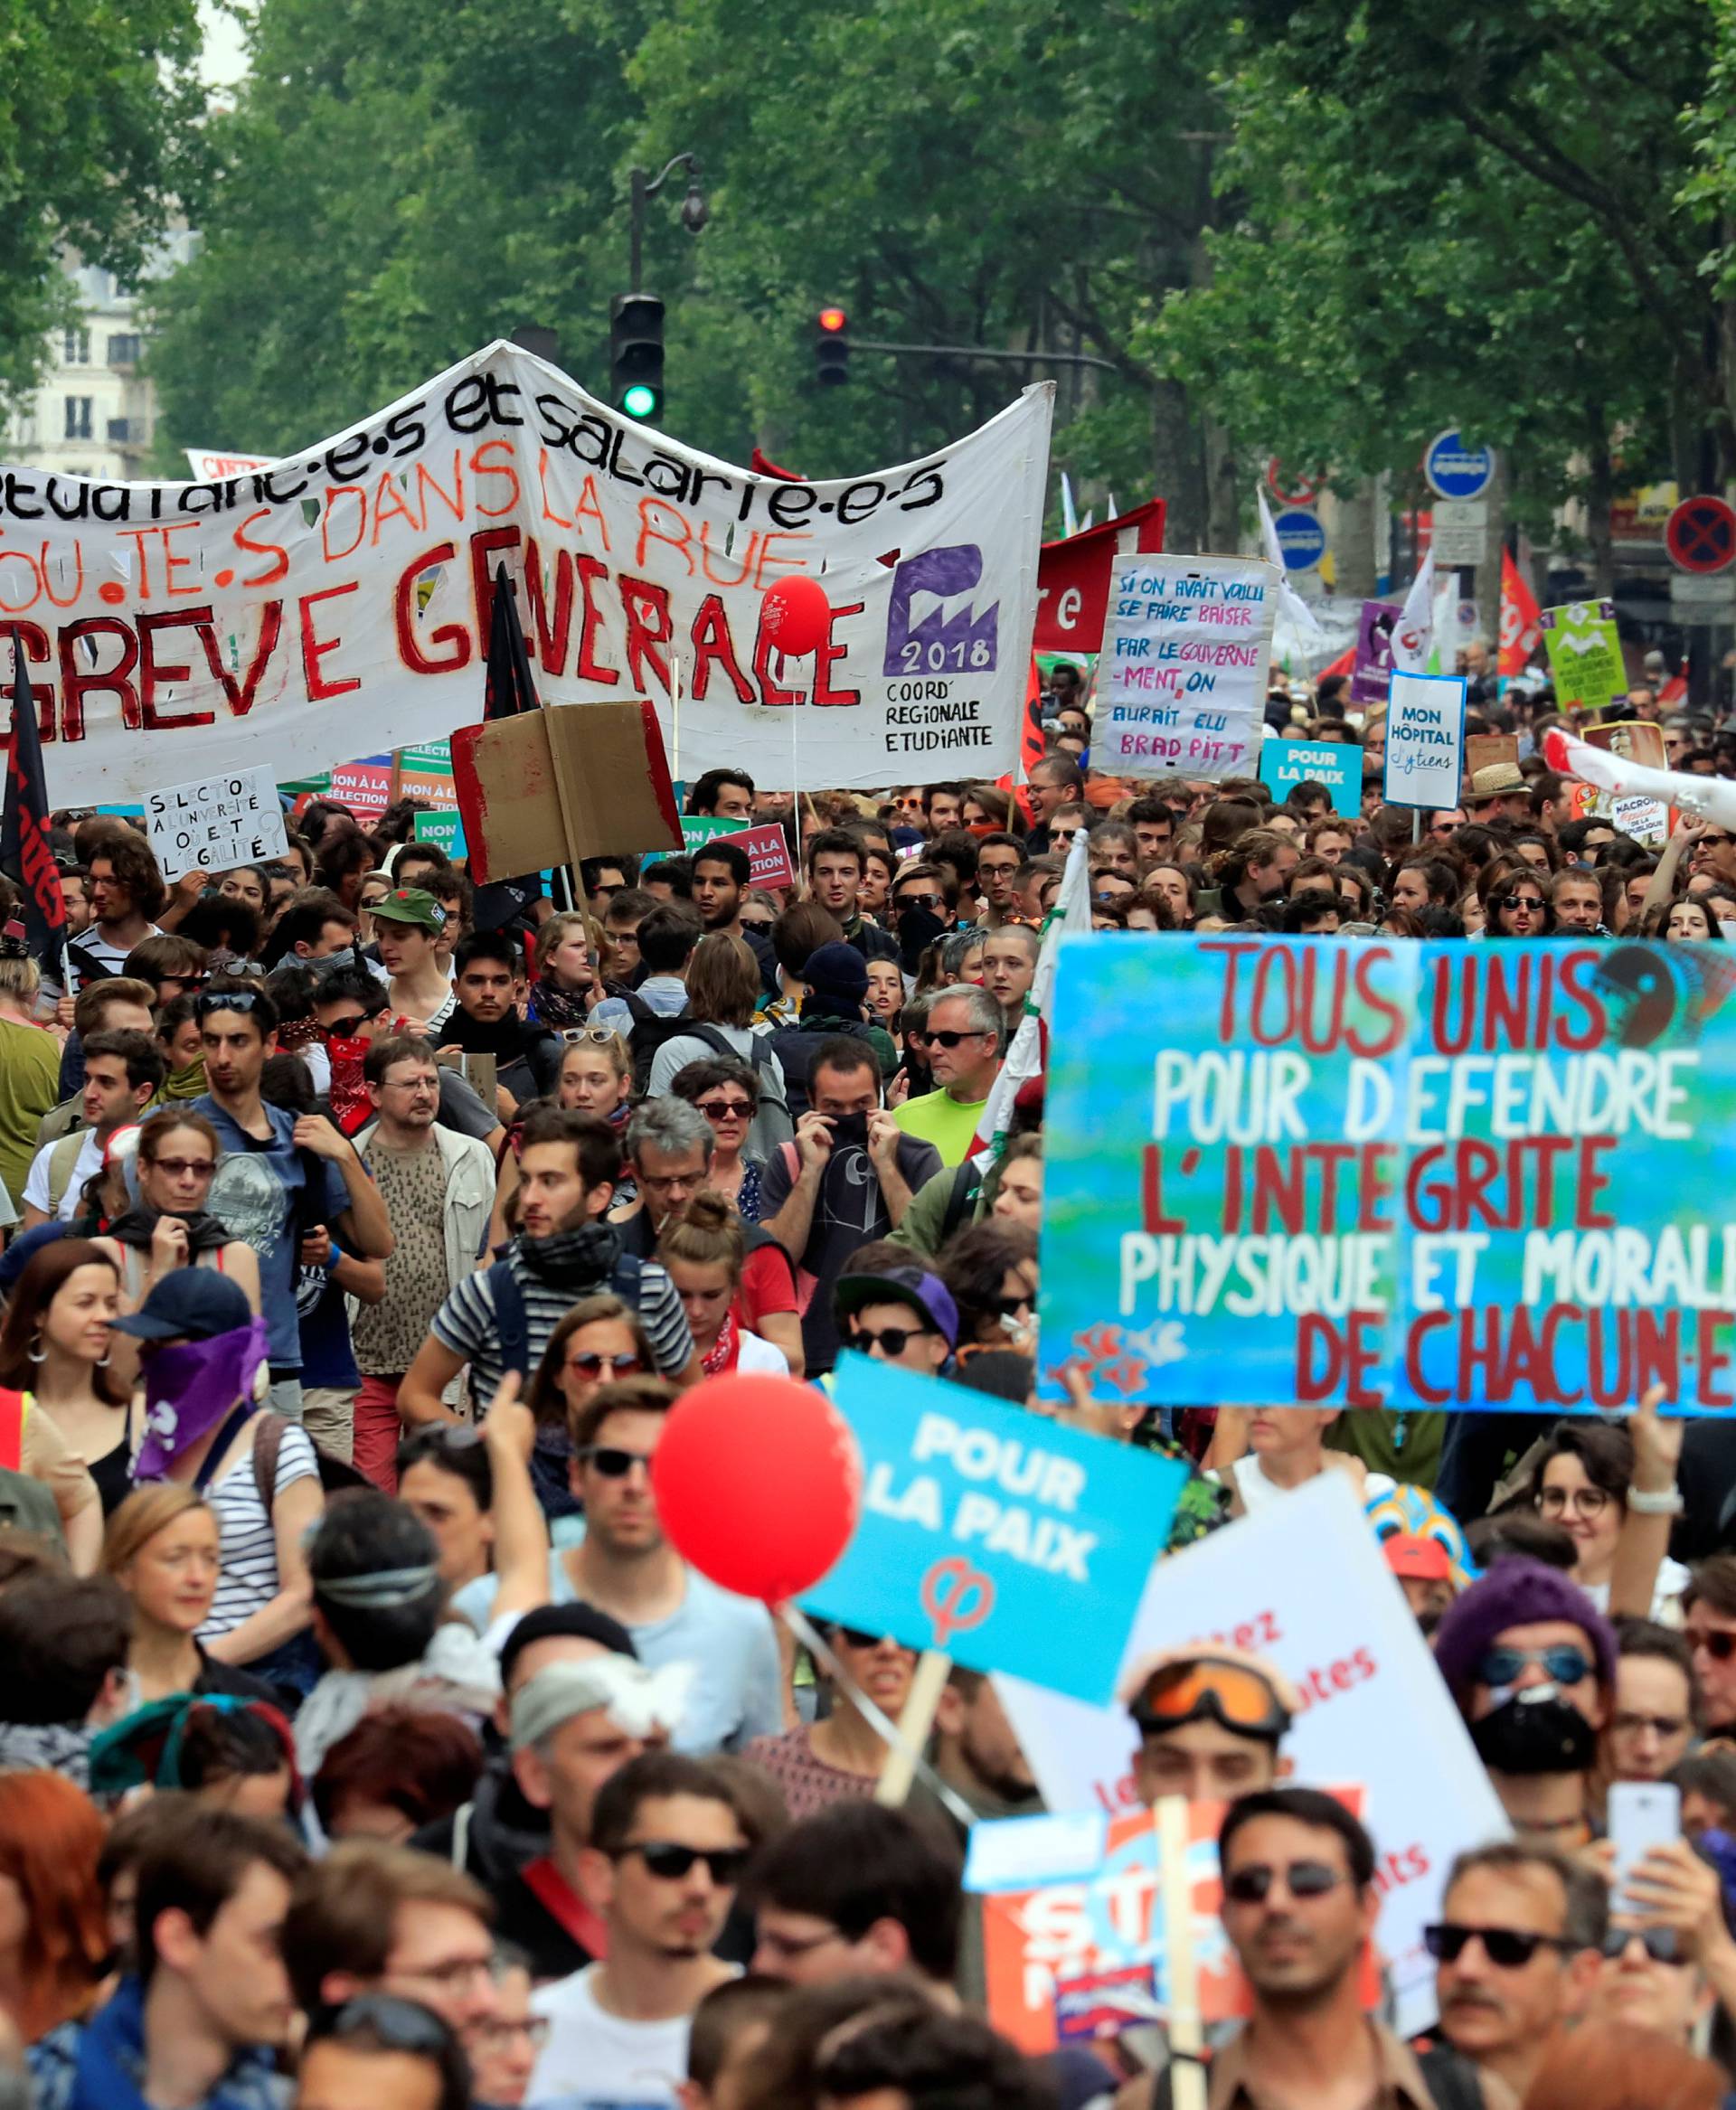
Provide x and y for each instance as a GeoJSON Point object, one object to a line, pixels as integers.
{"type": "Point", "coordinates": [1011, 1542]}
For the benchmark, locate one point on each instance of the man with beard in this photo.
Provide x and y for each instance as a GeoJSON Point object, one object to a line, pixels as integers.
{"type": "Point", "coordinates": [500, 1319]}
{"type": "Point", "coordinates": [1531, 1663]}
{"type": "Point", "coordinates": [486, 1021]}
{"type": "Point", "coordinates": [1517, 1948]}
{"type": "Point", "coordinates": [666, 1852]}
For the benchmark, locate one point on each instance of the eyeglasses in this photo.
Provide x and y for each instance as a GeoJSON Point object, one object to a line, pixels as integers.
{"type": "Point", "coordinates": [345, 1028]}
{"type": "Point", "coordinates": [1584, 1502]}
{"type": "Point", "coordinates": [664, 1858]}
{"type": "Point", "coordinates": [397, 2024]}
{"type": "Point", "coordinates": [1565, 1664]}
{"type": "Point", "coordinates": [178, 1168]}
{"type": "Point", "coordinates": [1302, 1879]}
{"type": "Point", "coordinates": [1531, 902]}
{"type": "Point", "coordinates": [1660, 1943]}
{"type": "Point", "coordinates": [726, 1109]}
{"type": "Point", "coordinates": [1718, 1641]}
{"type": "Point", "coordinates": [497, 2033]}
{"type": "Point", "coordinates": [211, 1000]}
{"type": "Point", "coordinates": [950, 1039]}
{"type": "Point", "coordinates": [891, 1340]}
{"type": "Point", "coordinates": [587, 1363]}
{"type": "Point", "coordinates": [1009, 1307]}
{"type": "Point", "coordinates": [858, 1637]}
{"type": "Point", "coordinates": [929, 901]}
{"type": "Point", "coordinates": [1506, 1947]}
{"type": "Point", "coordinates": [611, 1463]}
{"type": "Point", "coordinates": [410, 1084]}
{"type": "Point", "coordinates": [596, 1036]}
{"type": "Point", "coordinates": [1660, 1725]}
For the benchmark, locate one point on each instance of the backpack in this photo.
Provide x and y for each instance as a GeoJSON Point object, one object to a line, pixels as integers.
{"type": "Point", "coordinates": [512, 1321]}
{"type": "Point", "coordinates": [62, 1158]}
{"type": "Point", "coordinates": [649, 1030]}
{"type": "Point", "coordinates": [334, 1476]}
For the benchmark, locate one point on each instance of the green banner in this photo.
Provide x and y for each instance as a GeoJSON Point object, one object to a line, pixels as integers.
{"type": "Point", "coordinates": [1585, 659]}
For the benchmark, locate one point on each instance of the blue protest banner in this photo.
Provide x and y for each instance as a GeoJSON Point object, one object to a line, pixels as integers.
{"type": "Point", "coordinates": [1337, 765]}
{"type": "Point", "coordinates": [1391, 1174]}
{"type": "Point", "coordinates": [1011, 1542]}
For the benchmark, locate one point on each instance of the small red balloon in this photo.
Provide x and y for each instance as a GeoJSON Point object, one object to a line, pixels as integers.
{"type": "Point", "coordinates": [796, 613]}
{"type": "Point", "coordinates": [759, 1483]}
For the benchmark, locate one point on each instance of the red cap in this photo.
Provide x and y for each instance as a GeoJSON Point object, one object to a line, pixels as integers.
{"type": "Point", "coordinates": [1419, 1559]}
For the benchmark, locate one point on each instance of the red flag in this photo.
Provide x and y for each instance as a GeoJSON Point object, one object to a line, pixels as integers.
{"type": "Point", "coordinates": [24, 824]}
{"type": "Point", "coordinates": [1522, 627]}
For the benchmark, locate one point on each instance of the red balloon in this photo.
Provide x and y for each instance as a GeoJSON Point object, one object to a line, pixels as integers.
{"type": "Point", "coordinates": [759, 1483]}
{"type": "Point", "coordinates": [796, 613]}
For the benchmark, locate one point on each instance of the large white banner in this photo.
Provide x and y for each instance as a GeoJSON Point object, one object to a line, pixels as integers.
{"type": "Point", "coordinates": [336, 603]}
{"type": "Point", "coordinates": [1303, 1583]}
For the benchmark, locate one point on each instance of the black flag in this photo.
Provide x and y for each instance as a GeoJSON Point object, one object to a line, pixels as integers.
{"type": "Point", "coordinates": [510, 686]}
{"type": "Point", "coordinates": [24, 853]}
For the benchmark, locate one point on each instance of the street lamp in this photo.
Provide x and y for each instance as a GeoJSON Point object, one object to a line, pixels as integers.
{"type": "Point", "coordinates": [695, 211]}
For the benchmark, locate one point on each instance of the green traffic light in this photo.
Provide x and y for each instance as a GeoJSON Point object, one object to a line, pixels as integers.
{"type": "Point", "coordinates": [639, 401]}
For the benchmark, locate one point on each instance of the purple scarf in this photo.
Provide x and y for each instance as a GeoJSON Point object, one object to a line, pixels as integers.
{"type": "Point", "coordinates": [190, 1389]}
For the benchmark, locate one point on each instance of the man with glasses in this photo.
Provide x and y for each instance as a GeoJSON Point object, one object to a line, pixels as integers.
{"type": "Point", "coordinates": [1517, 1952]}
{"type": "Point", "coordinates": [1531, 1663]}
{"type": "Point", "coordinates": [438, 1189]}
{"type": "Point", "coordinates": [666, 1852]}
{"type": "Point", "coordinates": [322, 1184]}
{"type": "Point", "coordinates": [965, 1030]}
{"type": "Point", "coordinates": [1709, 1617]}
{"type": "Point", "coordinates": [1066, 823]}
{"type": "Point", "coordinates": [859, 1890]}
{"type": "Point", "coordinates": [1444, 822]}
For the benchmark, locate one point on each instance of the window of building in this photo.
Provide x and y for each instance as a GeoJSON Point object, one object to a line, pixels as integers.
{"type": "Point", "coordinates": [78, 417]}
{"type": "Point", "coordinates": [123, 351]}
{"type": "Point", "coordinates": [75, 347]}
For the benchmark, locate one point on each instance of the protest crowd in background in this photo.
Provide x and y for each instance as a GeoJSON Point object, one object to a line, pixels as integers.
{"type": "Point", "coordinates": [364, 1738]}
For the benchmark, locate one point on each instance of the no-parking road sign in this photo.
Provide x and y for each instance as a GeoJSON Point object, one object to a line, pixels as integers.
{"type": "Point", "coordinates": [1700, 535]}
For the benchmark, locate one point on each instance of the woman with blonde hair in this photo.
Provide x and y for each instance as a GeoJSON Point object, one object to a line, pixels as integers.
{"type": "Point", "coordinates": [705, 1249]}
{"type": "Point", "coordinates": [53, 1935]}
{"type": "Point", "coordinates": [566, 982]}
{"type": "Point", "coordinates": [162, 1546]}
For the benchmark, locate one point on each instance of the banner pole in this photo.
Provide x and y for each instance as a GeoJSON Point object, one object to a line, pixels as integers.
{"type": "Point", "coordinates": [1181, 1963]}
{"type": "Point", "coordinates": [915, 1721]}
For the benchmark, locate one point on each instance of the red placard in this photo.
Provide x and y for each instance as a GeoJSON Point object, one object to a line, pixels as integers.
{"type": "Point", "coordinates": [767, 852]}
{"type": "Point", "coordinates": [1074, 576]}
{"type": "Point", "coordinates": [1701, 536]}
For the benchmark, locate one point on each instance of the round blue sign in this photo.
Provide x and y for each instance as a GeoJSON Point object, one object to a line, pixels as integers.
{"type": "Point", "coordinates": [1455, 470]}
{"type": "Point", "coordinates": [1301, 541]}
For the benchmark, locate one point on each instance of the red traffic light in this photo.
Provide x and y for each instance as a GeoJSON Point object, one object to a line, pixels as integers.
{"type": "Point", "coordinates": [833, 319]}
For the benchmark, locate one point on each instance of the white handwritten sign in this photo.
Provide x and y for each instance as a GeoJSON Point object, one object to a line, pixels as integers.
{"type": "Point", "coordinates": [1186, 653]}
{"type": "Point", "coordinates": [1425, 739]}
{"type": "Point", "coordinates": [215, 822]}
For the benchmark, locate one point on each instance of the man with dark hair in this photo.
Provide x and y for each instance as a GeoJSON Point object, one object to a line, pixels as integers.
{"type": "Point", "coordinates": [1314, 912]}
{"type": "Point", "coordinates": [1517, 1951]}
{"type": "Point", "coordinates": [725, 794]}
{"type": "Point", "coordinates": [1709, 1622]}
{"type": "Point", "coordinates": [321, 1184]}
{"type": "Point", "coordinates": [667, 1848]}
{"type": "Point", "coordinates": [174, 965]}
{"type": "Point", "coordinates": [622, 968]}
{"type": "Point", "coordinates": [667, 935]}
{"type": "Point", "coordinates": [1055, 781]}
{"type": "Point", "coordinates": [123, 1072]}
{"type": "Point", "coordinates": [500, 1319]}
{"type": "Point", "coordinates": [920, 2057]}
{"type": "Point", "coordinates": [999, 856]}
{"type": "Point", "coordinates": [668, 880]}
{"type": "Point", "coordinates": [1210, 1727]}
{"type": "Point", "coordinates": [126, 893]}
{"type": "Point", "coordinates": [201, 2024]}
{"type": "Point", "coordinates": [352, 1011]}
{"type": "Point", "coordinates": [943, 808]}
{"type": "Point", "coordinates": [382, 2052]}
{"type": "Point", "coordinates": [721, 873]}
{"type": "Point", "coordinates": [486, 966]}
{"type": "Point", "coordinates": [314, 926]}
{"type": "Point", "coordinates": [834, 869]}
{"type": "Point", "coordinates": [601, 878]}
{"type": "Point", "coordinates": [858, 1889]}
{"type": "Point", "coordinates": [1154, 828]}
{"type": "Point", "coordinates": [63, 1641]}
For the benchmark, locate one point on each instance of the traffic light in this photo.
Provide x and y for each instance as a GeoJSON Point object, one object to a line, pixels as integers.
{"type": "Point", "coordinates": [831, 347]}
{"type": "Point", "coordinates": [636, 354]}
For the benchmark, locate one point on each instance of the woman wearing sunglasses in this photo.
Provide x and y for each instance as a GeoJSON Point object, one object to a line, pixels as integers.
{"type": "Point", "coordinates": [704, 1248]}
{"type": "Point", "coordinates": [843, 1756]}
{"type": "Point", "coordinates": [727, 1092]}
{"type": "Point", "coordinates": [600, 1340]}
{"type": "Point", "coordinates": [990, 1270]}
{"type": "Point", "coordinates": [1584, 1481]}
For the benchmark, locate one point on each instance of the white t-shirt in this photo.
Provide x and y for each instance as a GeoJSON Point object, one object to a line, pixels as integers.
{"type": "Point", "coordinates": [88, 1162]}
{"type": "Point", "coordinates": [597, 2060]}
{"type": "Point", "coordinates": [756, 1353]}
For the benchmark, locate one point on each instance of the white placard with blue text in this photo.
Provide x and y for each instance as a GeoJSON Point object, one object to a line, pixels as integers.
{"type": "Point", "coordinates": [1011, 1542]}
{"type": "Point", "coordinates": [1425, 739]}
{"type": "Point", "coordinates": [1337, 764]}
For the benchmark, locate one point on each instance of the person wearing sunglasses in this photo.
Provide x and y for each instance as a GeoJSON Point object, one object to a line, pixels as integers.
{"type": "Point", "coordinates": [1210, 1725]}
{"type": "Point", "coordinates": [1519, 905]}
{"type": "Point", "coordinates": [991, 1270]}
{"type": "Point", "coordinates": [1531, 1663]}
{"type": "Point", "coordinates": [1517, 1952]}
{"type": "Point", "coordinates": [666, 1854]}
{"type": "Point", "coordinates": [1669, 1966]}
{"type": "Point", "coordinates": [899, 1314]}
{"type": "Point", "coordinates": [841, 1756]}
{"type": "Point", "coordinates": [1709, 1624]}
{"type": "Point", "coordinates": [726, 1091]}
{"type": "Point", "coordinates": [387, 2053]}
{"type": "Point", "coordinates": [965, 1032]}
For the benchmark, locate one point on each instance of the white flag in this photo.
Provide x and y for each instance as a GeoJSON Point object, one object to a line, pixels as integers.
{"type": "Point", "coordinates": [1291, 606]}
{"type": "Point", "coordinates": [1069, 517]}
{"type": "Point", "coordinates": [1025, 1053]}
{"type": "Point", "coordinates": [1413, 634]}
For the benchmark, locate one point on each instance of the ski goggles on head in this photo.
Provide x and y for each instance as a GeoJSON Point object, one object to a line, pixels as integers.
{"type": "Point", "coordinates": [1206, 1689]}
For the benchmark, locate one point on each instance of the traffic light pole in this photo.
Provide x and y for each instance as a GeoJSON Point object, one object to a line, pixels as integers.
{"type": "Point", "coordinates": [644, 185]}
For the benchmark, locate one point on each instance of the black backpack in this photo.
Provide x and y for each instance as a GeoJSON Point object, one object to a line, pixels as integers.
{"type": "Point", "coordinates": [649, 1030]}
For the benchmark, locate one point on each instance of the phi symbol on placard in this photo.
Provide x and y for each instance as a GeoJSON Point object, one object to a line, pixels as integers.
{"type": "Point", "coordinates": [957, 1596]}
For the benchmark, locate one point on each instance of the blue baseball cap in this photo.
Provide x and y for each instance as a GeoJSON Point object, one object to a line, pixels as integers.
{"type": "Point", "coordinates": [915, 1287]}
{"type": "Point", "coordinates": [192, 1303]}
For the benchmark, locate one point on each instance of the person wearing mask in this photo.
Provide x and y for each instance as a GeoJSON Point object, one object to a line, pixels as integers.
{"type": "Point", "coordinates": [123, 1072]}
{"type": "Point", "coordinates": [201, 2022]}
{"type": "Point", "coordinates": [314, 926]}
{"type": "Point", "coordinates": [383, 2053]}
{"type": "Point", "coordinates": [60, 1405]}
{"type": "Point", "coordinates": [312, 1178]}
{"type": "Point", "coordinates": [667, 1851]}
{"type": "Point", "coordinates": [485, 1020]}
{"type": "Point", "coordinates": [202, 1352]}
{"type": "Point", "coordinates": [1517, 1952]}
{"type": "Point", "coordinates": [438, 1189]}
{"type": "Point", "coordinates": [964, 1033]}
{"type": "Point", "coordinates": [162, 1547]}
{"type": "Point", "coordinates": [846, 1180]}
{"type": "Point", "coordinates": [1531, 1663]}
{"type": "Point", "coordinates": [626, 1566]}
{"type": "Point", "coordinates": [501, 1318]}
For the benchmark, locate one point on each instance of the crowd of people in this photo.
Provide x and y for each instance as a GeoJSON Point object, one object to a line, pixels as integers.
{"type": "Point", "coordinates": [363, 1739]}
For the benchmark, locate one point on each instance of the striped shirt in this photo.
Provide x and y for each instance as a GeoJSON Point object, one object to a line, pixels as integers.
{"type": "Point", "coordinates": [248, 1544]}
{"type": "Point", "coordinates": [466, 1323]}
